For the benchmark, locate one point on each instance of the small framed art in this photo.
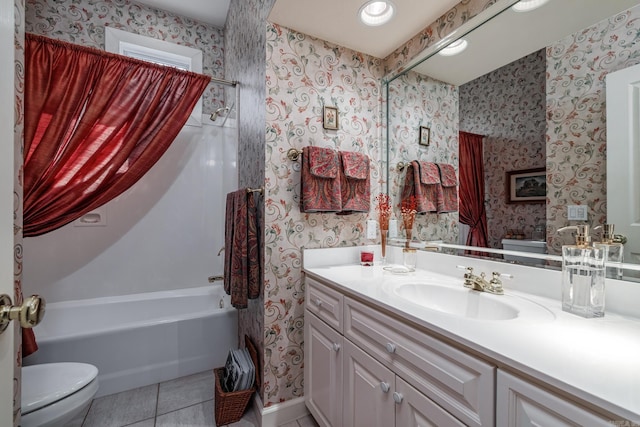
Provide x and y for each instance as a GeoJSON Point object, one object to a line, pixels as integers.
{"type": "Point", "coordinates": [527, 186]}
{"type": "Point", "coordinates": [425, 136]}
{"type": "Point", "coordinates": [330, 118]}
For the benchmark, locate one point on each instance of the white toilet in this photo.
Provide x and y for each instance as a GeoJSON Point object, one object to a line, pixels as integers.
{"type": "Point", "coordinates": [54, 393]}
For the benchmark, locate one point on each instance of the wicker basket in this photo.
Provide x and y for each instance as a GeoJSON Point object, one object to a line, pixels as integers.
{"type": "Point", "coordinates": [230, 406]}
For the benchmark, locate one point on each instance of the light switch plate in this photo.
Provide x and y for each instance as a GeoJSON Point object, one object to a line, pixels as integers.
{"type": "Point", "coordinates": [372, 229]}
{"type": "Point", "coordinates": [577, 213]}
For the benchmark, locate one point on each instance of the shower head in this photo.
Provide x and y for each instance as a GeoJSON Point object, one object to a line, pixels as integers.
{"type": "Point", "coordinates": [216, 113]}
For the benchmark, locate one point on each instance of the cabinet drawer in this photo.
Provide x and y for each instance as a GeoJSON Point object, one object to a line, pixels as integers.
{"type": "Point", "coordinates": [460, 383]}
{"type": "Point", "coordinates": [324, 302]}
{"type": "Point", "coordinates": [523, 404]}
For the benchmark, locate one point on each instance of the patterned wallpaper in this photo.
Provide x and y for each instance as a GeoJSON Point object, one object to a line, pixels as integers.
{"type": "Point", "coordinates": [508, 107]}
{"type": "Point", "coordinates": [82, 22]}
{"type": "Point", "coordinates": [245, 62]}
{"type": "Point", "coordinates": [303, 74]}
{"type": "Point", "coordinates": [576, 114]}
{"type": "Point", "coordinates": [18, 129]}
{"type": "Point", "coordinates": [416, 100]}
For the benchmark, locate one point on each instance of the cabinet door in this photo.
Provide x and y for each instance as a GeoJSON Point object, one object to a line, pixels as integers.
{"type": "Point", "coordinates": [520, 403]}
{"type": "Point", "coordinates": [368, 390]}
{"type": "Point", "coordinates": [414, 409]}
{"type": "Point", "coordinates": [323, 372]}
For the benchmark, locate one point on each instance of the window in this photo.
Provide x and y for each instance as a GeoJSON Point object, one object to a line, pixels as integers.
{"type": "Point", "coordinates": [159, 52]}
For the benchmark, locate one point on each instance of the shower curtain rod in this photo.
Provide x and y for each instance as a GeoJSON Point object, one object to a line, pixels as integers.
{"type": "Point", "coordinates": [224, 82]}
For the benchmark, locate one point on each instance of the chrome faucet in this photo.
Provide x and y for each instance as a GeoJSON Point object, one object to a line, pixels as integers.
{"type": "Point", "coordinates": [480, 283]}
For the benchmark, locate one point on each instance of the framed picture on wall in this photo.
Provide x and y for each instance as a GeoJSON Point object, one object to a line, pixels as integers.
{"type": "Point", "coordinates": [425, 136]}
{"type": "Point", "coordinates": [527, 186]}
{"type": "Point", "coordinates": [330, 118]}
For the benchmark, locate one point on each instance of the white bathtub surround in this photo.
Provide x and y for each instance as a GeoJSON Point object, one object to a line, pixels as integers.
{"type": "Point", "coordinates": [594, 360]}
{"type": "Point", "coordinates": [141, 339]}
{"type": "Point", "coordinates": [161, 234]}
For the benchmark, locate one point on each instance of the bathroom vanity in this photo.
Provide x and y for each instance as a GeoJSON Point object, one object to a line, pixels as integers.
{"type": "Point", "coordinates": [384, 349]}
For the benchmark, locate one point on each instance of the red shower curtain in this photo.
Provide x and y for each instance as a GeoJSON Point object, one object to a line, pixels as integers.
{"type": "Point", "coordinates": [472, 210]}
{"type": "Point", "coordinates": [95, 123]}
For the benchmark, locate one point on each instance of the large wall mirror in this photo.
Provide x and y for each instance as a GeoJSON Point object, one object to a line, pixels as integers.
{"type": "Point", "coordinates": [532, 86]}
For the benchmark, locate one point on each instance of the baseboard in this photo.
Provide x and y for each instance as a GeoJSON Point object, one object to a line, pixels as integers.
{"type": "Point", "coordinates": [280, 413]}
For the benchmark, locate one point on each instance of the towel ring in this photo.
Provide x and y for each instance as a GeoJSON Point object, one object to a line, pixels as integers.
{"type": "Point", "coordinates": [293, 154]}
{"type": "Point", "coordinates": [401, 166]}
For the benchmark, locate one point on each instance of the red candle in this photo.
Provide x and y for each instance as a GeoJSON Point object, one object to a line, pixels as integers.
{"type": "Point", "coordinates": [366, 258]}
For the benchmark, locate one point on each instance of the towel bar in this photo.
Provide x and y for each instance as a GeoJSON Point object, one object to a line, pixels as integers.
{"type": "Point", "coordinates": [254, 190]}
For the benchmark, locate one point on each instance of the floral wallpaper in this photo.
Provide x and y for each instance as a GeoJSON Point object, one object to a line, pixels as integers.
{"type": "Point", "coordinates": [576, 114]}
{"type": "Point", "coordinates": [507, 106]}
{"type": "Point", "coordinates": [18, 134]}
{"type": "Point", "coordinates": [245, 62]}
{"type": "Point", "coordinates": [303, 74]}
{"type": "Point", "coordinates": [82, 22]}
{"type": "Point", "coordinates": [414, 101]}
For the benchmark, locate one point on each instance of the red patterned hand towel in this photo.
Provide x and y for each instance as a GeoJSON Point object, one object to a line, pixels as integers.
{"type": "Point", "coordinates": [448, 189]}
{"type": "Point", "coordinates": [320, 184]}
{"type": "Point", "coordinates": [355, 183]}
{"type": "Point", "coordinates": [422, 181]}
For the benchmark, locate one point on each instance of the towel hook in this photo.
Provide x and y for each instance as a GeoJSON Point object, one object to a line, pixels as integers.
{"type": "Point", "coordinates": [401, 165]}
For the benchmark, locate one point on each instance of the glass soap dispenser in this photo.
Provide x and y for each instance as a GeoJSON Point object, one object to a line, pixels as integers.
{"type": "Point", "coordinates": [583, 275]}
{"type": "Point", "coordinates": [615, 250]}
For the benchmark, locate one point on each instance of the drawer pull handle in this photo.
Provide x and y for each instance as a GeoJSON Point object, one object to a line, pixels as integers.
{"type": "Point", "coordinates": [385, 387]}
{"type": "Point", "coordinates": [391, 348]}
{"type": "Point", "coordinates": [397, 397]}
{"type": "Point", "coordinates": [318, 302]}
{"type": "Point", "coordinates": [336, 346]}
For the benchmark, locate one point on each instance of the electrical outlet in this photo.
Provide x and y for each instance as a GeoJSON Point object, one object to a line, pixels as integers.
{"type": "Point", "coordinates": [577, 213]}
{"type": "Point", "coordinates": [372, 229]}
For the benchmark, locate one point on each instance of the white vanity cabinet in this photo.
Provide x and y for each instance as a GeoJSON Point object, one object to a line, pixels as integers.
{"type": "Point", "coordinates": [520, 404]}
{"type": "Point", "coordinates": [364, 368]}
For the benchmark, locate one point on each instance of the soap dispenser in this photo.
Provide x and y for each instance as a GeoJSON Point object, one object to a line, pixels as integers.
{"type": "Point", "coordinates": [615, 250]}
{"type": "Point", "coordinates": [583, 275]}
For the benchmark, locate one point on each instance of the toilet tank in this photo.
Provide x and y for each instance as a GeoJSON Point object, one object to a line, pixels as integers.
{"type": "Point", "coordinates": [534, 246]}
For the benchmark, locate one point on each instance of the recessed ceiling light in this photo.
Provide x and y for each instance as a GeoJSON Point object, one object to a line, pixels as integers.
{"type": "Point", "coordinates": [454, 48]}
{"type": "Point", "coordinates": [376, 12]}
{"type": "Point", "coordinates": [528, 5]}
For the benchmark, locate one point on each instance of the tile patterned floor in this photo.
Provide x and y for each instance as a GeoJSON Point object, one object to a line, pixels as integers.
{"type": "Point", "coordinates": [182, 402]}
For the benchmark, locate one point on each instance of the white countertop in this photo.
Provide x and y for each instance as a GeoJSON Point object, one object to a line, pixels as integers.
{"type": "Point", "coordinates": [597, 360]}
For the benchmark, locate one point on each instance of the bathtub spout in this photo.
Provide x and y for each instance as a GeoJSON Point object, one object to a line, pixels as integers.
{"type": "Point", "coordinates": [215, 278]}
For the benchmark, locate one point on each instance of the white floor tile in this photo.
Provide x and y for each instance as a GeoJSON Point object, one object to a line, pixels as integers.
{"type": "Point", "coordinates": [121, 409]}
{"type": "Point", "coordinates": [200, 415]}
{"type": "Point", "coordinates": [185, 391]}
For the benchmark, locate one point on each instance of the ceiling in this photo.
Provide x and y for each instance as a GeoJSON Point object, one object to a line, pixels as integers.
{"type": "Point", "coordinates": [335, 21]}
{"type": "Point", "coordinates": [212, 12]}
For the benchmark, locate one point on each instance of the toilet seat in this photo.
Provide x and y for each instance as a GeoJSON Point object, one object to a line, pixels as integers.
{"type": "Point", "coordinates": [53, 392]}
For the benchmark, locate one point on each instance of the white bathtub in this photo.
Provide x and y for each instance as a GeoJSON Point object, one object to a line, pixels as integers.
{"type": "Point", "coordinates": [141, 339]}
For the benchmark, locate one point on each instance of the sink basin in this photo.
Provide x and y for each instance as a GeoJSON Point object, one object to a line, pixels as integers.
{"type": "Point", "coordinates": [458, 301]}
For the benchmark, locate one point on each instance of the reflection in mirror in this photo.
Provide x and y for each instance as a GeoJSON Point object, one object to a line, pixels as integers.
{"type": "Point", "coordinates": [536, 95]}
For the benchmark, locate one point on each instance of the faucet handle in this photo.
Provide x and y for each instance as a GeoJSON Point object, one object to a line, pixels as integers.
{"type": "Point", "coordinates": [468, 275]}
{"type": "Point", "coordinates": [495, 284]}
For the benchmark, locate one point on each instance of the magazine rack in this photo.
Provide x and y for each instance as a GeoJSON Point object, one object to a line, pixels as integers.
{"type": "Point", "coordinates": [230, 406]}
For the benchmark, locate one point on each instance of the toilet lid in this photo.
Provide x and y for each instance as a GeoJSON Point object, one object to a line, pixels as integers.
{"type": "Point", "coordinates": [47, 383]}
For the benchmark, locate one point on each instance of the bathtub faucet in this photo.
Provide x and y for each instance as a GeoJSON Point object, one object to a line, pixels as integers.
{"type": "Point", "coordinates": [215, 278]}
